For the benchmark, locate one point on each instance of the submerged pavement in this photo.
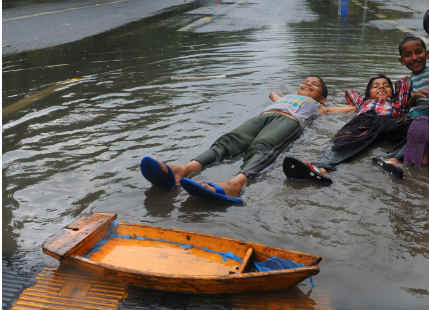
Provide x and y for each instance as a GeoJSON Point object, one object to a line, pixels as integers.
{"type": "Point", "coordinates": [36, 26]}
{"type": "Point", "coordinates": [39, 25]}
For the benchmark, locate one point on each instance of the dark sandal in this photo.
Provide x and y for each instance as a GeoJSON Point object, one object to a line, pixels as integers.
{"type": "Point", "coordinates": [296, 169]}
{"type": "Point", "coordinates": [390, 168]}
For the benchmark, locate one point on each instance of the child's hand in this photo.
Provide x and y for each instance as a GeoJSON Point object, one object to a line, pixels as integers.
{"type": "Point", "coordinates": [323, 109]}
{"type": "Point", "coordinates": [275, 96]}
{"type": "Point", "coordinates": [421, 93]}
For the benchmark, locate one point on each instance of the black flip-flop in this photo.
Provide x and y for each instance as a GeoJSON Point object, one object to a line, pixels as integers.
{"type": "Point", "coordinates": [390, 168]}
{"type": "Point", "coordinates": [296, 169]}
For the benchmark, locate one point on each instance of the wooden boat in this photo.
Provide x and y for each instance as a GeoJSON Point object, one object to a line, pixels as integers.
{"type": "Point", "coordinates": [173, 260]}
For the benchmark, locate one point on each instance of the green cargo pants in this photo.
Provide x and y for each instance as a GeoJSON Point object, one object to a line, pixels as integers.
{"type": "Point", "coordinates": [261, 139]}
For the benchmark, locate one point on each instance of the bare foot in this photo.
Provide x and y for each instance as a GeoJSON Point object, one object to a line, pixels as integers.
{"type": "Point", "coordinates": [392, 161]}
{"type": "Point", "coordinates": [232, 187]}
{"type": "Point", "coordinates": [182, 171]}
{"type": "Point", "coordinates": [179, 173]}
{"type": "Point", "coordinates": [321, 170]}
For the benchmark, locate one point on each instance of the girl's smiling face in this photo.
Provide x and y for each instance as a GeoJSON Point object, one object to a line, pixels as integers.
{"type": "Point", "coordinates": [413, 56]}
{"type": "Point", "coordinates": [380, 89]}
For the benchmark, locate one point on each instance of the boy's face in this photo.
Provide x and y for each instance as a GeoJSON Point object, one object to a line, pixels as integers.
{"type": "Point", "coordinates": [413, 56]}
{"type": "Point", "coordinates": [312, 87]}
{"type": "Point", "coordinates": [380, 89]}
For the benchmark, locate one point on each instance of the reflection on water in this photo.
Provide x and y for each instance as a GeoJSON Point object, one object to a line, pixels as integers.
{"type": "Point", "coordinates": [293, 299]}
{"type": "Point", "coordinates": [78, 148]}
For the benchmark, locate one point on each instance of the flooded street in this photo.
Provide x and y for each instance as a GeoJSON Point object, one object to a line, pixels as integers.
{"type": "Point", "coordinates": [77, 119]}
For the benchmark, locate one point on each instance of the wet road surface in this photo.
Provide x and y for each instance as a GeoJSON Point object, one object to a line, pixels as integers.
{"type": "Point", "coordinates": [76, 147]}
{"type": "Point", "coordinates": [31, 26]}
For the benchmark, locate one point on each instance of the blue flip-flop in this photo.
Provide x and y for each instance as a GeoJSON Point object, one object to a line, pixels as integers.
{"type": "Point", "coordinates": [152, 171]}
{"type": "Point", "coordinates": [196, 189]}
{"type": "Point", "coordinates": [296, 169]}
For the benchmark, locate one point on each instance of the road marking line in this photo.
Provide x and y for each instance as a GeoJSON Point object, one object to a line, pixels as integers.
{"type": "Point", "coordinates": [207, 19]}
{"type": "Point", "coordinates": [61, 11]}
{"type": "Point", "coordinates": [405, 29]}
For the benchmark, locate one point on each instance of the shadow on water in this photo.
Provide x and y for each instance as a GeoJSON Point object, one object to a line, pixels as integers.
{"type": "Point", "coordinates": [158, 202]}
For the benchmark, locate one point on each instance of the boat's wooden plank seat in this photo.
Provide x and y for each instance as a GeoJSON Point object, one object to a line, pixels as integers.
{"type": "Point", "coordinates": [89, 228]}
{"type": "Point", "coordinates": [246, 260]}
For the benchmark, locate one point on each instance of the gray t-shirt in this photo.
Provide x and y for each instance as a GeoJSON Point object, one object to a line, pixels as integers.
{"type": "Point", "coordinates": [420, 82]}
{"type": "Point", "coordinates": [303, 108]}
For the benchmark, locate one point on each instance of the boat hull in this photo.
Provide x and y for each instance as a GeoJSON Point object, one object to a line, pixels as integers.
{"type": "Point", "coordinates": [204, 274]}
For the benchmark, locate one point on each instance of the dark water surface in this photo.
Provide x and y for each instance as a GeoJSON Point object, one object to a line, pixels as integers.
{"type": "Point", "coordinates": [149, 89]}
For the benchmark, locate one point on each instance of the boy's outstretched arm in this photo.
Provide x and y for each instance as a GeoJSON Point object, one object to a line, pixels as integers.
{"type": "Point", "coordinates": [343, 108]}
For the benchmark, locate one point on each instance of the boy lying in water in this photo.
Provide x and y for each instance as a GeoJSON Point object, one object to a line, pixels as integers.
{"type": "Point", "coordinates": [260, 139]}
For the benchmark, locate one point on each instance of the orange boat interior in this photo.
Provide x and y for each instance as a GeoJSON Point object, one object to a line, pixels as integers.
{"type": "Point", "coordinates": [162, 257]}
{"type": "Point", "coordinates": [148, 254]}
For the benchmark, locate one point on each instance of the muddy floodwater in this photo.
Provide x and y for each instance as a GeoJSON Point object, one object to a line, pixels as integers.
{"type": "Point", "coordinates": [78, 118]}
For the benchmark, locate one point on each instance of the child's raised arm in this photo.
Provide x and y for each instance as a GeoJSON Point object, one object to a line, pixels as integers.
{"type": "Point", "coordinates": [353, 99]}
{"type": "Point", "coordinates": [275, 96]}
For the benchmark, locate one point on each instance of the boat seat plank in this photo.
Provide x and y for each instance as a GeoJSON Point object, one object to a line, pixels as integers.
{"type": "Point", "coordinates": [88, 228]}
{"type": "Point", "coordinates": [246, 260]}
